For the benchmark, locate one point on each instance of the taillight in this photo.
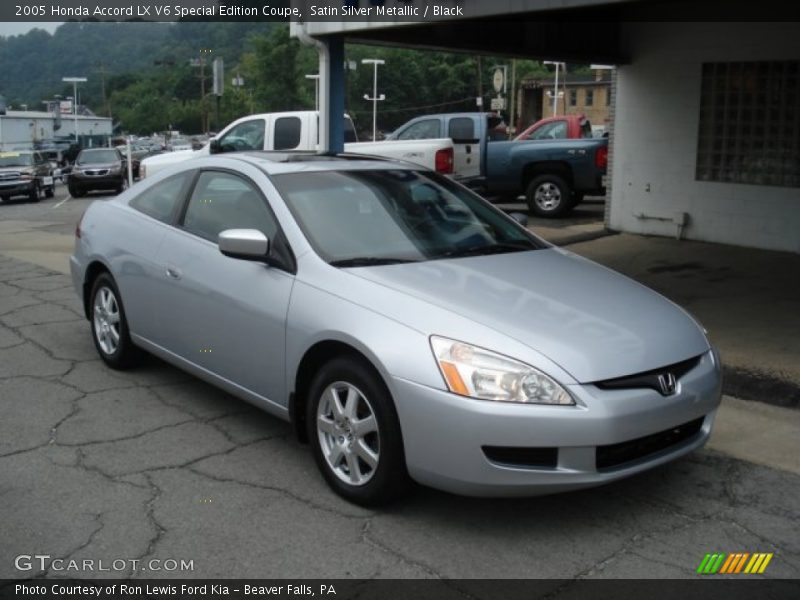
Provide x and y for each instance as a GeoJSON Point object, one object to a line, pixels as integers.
{"type": "Point", "coordinates": [444, 161]}
{"type": "Point", "coordinates": [601, 157]}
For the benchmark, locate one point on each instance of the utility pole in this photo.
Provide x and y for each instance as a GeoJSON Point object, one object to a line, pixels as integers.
{"type": "Point", "coordinates": [101, 68]}
{"type": "Point", "coordinates": [201, 63]}
{"type": "Point", "coordinates": [512, 126]}
{"type": "Point", "coordinates": [480, 82]}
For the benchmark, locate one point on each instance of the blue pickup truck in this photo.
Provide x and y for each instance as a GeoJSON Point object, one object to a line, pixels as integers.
{"type": "Point", "coordinates": [553, 173]}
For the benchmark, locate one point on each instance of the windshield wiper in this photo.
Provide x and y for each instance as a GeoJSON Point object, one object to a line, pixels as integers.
{"type": "Point", "coordinates": [484, 250]}
{"type": "Point", "coordinates": [370, 261]}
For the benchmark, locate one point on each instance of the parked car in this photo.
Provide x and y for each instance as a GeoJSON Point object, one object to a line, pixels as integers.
{"type": "Point", "coordinates": [561, 127]}
{"type": "Point", "coordinates": [97, 169]}
{"type": "Point", "coordinates": [179, 144]}
{"type": "Point", "coordinates": [406, 327]}
{"type": "Point", "coordinates": [25, 173]}
{"type": "Point", "coordinates": [553, 170]}
{"type": "Point", "coordinates": [299, 131]}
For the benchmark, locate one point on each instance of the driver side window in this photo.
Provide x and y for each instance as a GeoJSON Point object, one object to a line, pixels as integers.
{"type": "Point", "coordinates": [422, 130]}
{"type": "Point", "coordinates": [557, 130]}
{"type": "Point", "coordinates": [244, 136]}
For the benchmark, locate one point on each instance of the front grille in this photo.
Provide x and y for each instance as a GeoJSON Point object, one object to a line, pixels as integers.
{"type": "Point", "coordinates": [546, 458]}
{"type": "Point", "coordinates": [649, 379]}
{"type": "Point", "coordinates": [96, 172]}
{"type": "Point", "coordinates": [618, 455]}
{"type": "Point", "coordinates": [9, 176]}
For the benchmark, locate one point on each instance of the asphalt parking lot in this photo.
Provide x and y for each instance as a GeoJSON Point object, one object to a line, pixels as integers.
{"type": "Point", "coordinates": [153, 464]}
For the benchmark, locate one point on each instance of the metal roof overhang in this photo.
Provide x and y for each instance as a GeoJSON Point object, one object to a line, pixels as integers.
{"type": "Point", "coordinates": [565, 30]}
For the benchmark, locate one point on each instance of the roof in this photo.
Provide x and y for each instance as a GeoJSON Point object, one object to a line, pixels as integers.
{"type": "Point", "coordinates": [276, 163]}
{"type": "Point", "coordinates": [39, 114]}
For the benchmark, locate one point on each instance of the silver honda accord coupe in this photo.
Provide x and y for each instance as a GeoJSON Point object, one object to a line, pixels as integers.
{"type": "Point", "coordinates": [407, 328]}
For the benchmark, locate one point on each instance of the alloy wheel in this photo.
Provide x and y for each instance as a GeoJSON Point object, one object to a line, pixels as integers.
{"type": "Point", "coordinates": [348, 433]}
{"type": "Point", "coordinates": [106, 320]}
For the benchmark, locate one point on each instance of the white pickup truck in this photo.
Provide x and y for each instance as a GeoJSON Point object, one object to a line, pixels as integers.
{"type": "Point", "coordinates": [298, 130]}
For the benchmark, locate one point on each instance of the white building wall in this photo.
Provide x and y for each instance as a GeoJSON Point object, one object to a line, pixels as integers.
{"type": "Point", "coordinates": [19, 130]}
{"type": "Point", "coordinates": [655, 137]}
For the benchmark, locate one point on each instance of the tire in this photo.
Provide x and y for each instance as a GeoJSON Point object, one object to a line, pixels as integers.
{"type": "Point", "coordinates": [122, 186]}
{"type": "Point", "coordinates": [370, 468]}
{"type": "Point", "coordinates": [109, 325]}
{"type": "Point", "coordinates": [75, 191]}
{"type": "Point", "coordinates": [549, 196]}
{"type": "Point", "coordinates": [49, 192]}
{"type": "Point", "coordinates": [35, 194]}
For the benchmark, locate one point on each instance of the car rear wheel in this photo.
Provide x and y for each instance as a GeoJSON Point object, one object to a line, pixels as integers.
{"type": "Point", "coordinates": [355, 434]}
{"type": "Point", "coordinates": [109, 326]}
{"type": "Point", "coordinates": [549, 196]}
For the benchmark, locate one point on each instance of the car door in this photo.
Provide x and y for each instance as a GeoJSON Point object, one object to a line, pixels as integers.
{"type": "Point", "coordinates": [225, 315]}
{"type": "Point", "coordinates": [466, 147]}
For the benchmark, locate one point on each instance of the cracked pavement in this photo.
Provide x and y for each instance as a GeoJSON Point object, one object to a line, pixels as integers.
{"type": "Point", "coordinates": [152, 463]}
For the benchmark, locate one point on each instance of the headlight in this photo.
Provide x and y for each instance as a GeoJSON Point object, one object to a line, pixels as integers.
{"type": "Point", "coordinates": [478, 373]}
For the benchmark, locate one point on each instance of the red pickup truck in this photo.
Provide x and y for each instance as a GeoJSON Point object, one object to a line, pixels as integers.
{"type": "Point", "coordinates": [562, 127]}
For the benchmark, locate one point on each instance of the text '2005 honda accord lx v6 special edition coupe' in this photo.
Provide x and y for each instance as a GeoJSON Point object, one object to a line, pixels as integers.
{"type": "Point", "coordinates": [408, 329]}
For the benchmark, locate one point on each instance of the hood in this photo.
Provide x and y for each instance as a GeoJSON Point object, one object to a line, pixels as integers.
{"type": "Point", "coordinates": [106, 165]}
{"type": "Point", "coordinates": [594, 323]}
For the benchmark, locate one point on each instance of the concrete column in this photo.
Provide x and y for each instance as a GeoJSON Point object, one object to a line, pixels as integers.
{"type": "Point", "coordinates": [332, 100]}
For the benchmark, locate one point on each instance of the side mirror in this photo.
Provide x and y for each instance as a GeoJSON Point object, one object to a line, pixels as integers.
{"type": "Point", "coordinates": [214, 147]}
{"type": "Point", "coordinates": [247, 244]}
{"type": "Point", "coordinates": [520, 218]}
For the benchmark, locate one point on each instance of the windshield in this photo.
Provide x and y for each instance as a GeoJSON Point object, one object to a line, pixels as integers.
{"type": "Point", "coordinates": [357, 218]}
{"type": "Point", "coordinates": [15, 159]}
{"type": "Point", "coordinates": [97, 156]}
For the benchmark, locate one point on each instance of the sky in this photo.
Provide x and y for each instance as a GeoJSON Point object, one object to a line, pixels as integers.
{"type": "Point", "coordinates": [14, 28]}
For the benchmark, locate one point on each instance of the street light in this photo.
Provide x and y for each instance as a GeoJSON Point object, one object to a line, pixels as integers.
{"type": "Point", "coordinates": [375, 98]}
{"type": "Point", "coordinates": [555, 87]}
{"type": "Point", "coordinates": [316, 90]}
{"type": "Point", "coordinates": [75, 81]}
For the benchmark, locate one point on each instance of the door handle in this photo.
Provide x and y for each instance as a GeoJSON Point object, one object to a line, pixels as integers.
{"type": "Point", "coordinates": [173, 273]}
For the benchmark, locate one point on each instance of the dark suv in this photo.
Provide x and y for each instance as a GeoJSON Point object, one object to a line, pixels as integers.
{"type": "Point", "coordinates": [97, 169]}
{"type": "Point", "coordinates": [25, 173]}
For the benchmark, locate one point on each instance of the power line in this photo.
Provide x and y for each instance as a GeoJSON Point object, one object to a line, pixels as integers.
{"type": "Point", "coordinates": [410, 108]}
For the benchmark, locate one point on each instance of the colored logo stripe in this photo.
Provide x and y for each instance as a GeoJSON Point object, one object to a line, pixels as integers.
{"type": "Point", "coordinates": [722, 563]}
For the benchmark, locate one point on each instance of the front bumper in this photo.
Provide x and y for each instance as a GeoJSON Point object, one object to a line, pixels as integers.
{"type": "Point", "coordinates": [99, 182]}
{"type": "Point", "coordinates": [445, 434]}
{"type": "Point", "coordinates": [17, 188]}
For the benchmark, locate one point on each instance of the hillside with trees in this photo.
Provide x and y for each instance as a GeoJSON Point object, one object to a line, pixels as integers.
{"type": "Point", "coordinates": [147, 76]}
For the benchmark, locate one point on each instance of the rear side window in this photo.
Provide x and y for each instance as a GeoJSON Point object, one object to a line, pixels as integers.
{"type": "Point", "coordinates": [461, 128]}
{"type": "Point", "coordinates": [586, 128]}
{"type": "Point", "coordinates": [287, 133]}
{"type": "Point", "coordinates": [160, 200]}
{"type": "Point", "coordinates": [223, 201]}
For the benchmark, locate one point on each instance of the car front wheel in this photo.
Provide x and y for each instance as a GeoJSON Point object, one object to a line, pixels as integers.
{"type": "Point", "coordinates": [355, 434]}
{"type": "Point", "coordinates": [109, 326]}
